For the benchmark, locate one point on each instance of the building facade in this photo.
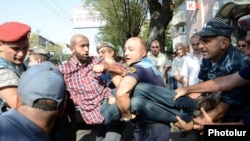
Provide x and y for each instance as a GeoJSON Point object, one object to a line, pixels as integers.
{"type": "Point", "coordinates": [192, 15]}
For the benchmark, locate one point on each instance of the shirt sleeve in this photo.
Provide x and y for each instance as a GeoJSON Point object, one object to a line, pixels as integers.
{"type": "Point", "coordinates": [245, 73]}
{"type": "Point", "coordinates": [167, 62]}
{"type": "Point", "coordinates": [8, 78]}
{"type": "Point", "coordinates": [184, 69]}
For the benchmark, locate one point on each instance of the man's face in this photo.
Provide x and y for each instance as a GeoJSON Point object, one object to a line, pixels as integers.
{"type": "Point", "coordinates": [80, 49]}
{"type": "Point", "coordinates": [195, 43]}
{"type": "Point", "coordinates": [155, 48]}
{"type": "Point", "coordinates": [33, 60]}
{"type": "Point", "coordinates": [106, 52]}
{"type": "Point", "coordinates": [14, 52]}
{"type": "Point", "coordinates": [213, 47]}
{"type": "Point", "coordinates": [134, 51]}
{"type": "Point", "coordinates": [180, 51]}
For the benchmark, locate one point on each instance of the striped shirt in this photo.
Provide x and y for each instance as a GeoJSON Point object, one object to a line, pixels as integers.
{"type": "Point", "coordinates": [86, 88]}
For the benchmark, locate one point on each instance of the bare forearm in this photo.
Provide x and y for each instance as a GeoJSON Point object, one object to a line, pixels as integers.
{"type": "Point", "coordinates": [123, 103]}
{"type": "Point", "coordinates": [207, 86]}
{"type": "Point", "coordinates": [123, 95]}
{"type": "Point", "coordinates": [114, 69]}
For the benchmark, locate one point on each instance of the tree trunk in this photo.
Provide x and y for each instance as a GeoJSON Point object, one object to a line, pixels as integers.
{"type": "Point", "coordinates": [160, 16]}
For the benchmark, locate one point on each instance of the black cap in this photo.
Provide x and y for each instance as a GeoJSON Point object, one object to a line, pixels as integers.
{"type": "Point", "coordinates": [217, 27]}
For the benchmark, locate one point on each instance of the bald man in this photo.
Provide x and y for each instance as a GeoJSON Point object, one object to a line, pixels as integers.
{"type": "Point", "coordinates": [141, 69]}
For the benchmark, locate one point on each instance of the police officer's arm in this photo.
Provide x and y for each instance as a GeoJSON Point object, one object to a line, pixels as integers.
{"type": "Point", "coordinates": [10, 96]}
{"type": "Point", "coordinates": [123, 92]}
{"type": "Point", "coordinates": [223, 83]}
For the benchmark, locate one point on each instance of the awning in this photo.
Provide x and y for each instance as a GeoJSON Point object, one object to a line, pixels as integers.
{"type": "Point", "coordinates": [233, 11]}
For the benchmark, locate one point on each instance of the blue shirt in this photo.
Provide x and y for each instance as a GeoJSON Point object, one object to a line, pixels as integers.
{"type": "Point", "coordinates": [232, 61]}
{"type": "Point", "coordinates": [245, 73]}
{"type": "Point", "coordinates": [145, 71]}
{"type": "Point", "coordinates": [16, 127]}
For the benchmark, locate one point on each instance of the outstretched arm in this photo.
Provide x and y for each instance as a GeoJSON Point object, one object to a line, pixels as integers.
{"type": "Point", "coordinates": [223, 83]}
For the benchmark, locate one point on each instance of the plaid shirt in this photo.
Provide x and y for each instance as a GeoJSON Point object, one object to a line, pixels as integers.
{"type": "Point", "coordinates": [86, 88]}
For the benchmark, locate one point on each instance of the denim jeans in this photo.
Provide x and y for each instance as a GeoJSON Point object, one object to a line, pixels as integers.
{"type": "Point", "coordinates": [151, 102]}
{"type": "Point", "coordinates": [172, 83]}
{"type": "Point", "coordinates": [110, 113]}
{"type": "Point", "coordinates": [156, 103]}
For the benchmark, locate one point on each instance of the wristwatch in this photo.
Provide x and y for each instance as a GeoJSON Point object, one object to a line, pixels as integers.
{"type": "Point", "coordinates": [126, 119]}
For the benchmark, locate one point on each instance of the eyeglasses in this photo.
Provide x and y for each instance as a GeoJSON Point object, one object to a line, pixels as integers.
{"type": "Point", "coordinates": [195, 44]}
{"type": "Point", "coordinates": [242, 45]}
{"type": "Point", "coordinates": [155, 46]}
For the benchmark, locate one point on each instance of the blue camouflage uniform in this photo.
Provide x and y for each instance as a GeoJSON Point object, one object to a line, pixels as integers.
{"type": "Point", "coordinates": [232, 61]}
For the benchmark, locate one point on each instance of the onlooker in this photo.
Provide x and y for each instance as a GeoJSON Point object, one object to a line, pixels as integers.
{"type": "Point", "coordinates": [14, 45]}
{"type": "Point", "coordinates": [141, 69]}
{"type": "Point", "coordinates": [217, 51]}
{"type": "Point", "coordinates": [87, 89]}
{"type": "Point", "coordinates": [38, 56]}
{"type": "Point", "coordinates": [191, 66]}
{"type": "Point", "coordinates": [178, 62]}
{"type": "Point", "coordinates": [161, 61]}
{"type": "Point", "coordinates": [242, 45]}
{"type": "Point", "coordinates": [42, 94]}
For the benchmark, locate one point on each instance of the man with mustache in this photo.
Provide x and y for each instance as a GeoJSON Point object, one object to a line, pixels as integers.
{"type": "Point", "coordinates": [83, 78]}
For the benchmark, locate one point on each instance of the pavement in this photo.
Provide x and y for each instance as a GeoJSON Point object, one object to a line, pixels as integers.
{"type": "Point", "coordinates": [89, 135]}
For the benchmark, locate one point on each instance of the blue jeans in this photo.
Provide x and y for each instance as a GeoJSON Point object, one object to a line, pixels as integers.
{"type": "Point", "coordinates": [110, 113]}
{"type": "Point", "coordinates": [156, 103]}
{"type": "Point", "coordinates": [150, 102]}
{"type": "Point", "coordinates": [112, 127]}
{"type": "Point", "coordinates": [172, 83]}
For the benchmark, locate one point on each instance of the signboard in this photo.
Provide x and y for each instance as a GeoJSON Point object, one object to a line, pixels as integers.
{"type": "Point", "coordinates": [190, 5]}
{"type": "Point", "coordinates": [86, 17]}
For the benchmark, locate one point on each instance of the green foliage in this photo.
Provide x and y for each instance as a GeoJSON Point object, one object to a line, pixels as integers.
{"type": "Point", "coordinates": [124, 18]}
{"type": "Point", "coordinates": [56, 49]}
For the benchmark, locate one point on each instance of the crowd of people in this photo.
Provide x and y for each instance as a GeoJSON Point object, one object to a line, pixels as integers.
{"type": "Point", "coordinates": [144, 88]}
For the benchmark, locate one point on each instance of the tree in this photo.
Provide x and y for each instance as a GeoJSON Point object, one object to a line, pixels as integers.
{"type": "Point", "coordinates": [124, 18]}
{"type": "Point", "coordinates": [160, 16]}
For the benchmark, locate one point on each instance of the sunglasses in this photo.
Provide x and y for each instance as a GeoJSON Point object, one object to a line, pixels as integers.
{"type": "Point", "coordinates": [195, 44]}
{"type": "Point", "coordinates": [242, 45]}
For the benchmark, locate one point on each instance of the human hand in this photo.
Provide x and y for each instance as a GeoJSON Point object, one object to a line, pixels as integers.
{"type": "Point", "coordinates": [186, 126]}
{"type": "Point", "coordinates": [109, 61]}
{"type": "Point", "coordinates": [99, 68]}
{"type": "Point", "coordinates": [180, 92]}
{"type": "Point", "coordinates": [202, 120]}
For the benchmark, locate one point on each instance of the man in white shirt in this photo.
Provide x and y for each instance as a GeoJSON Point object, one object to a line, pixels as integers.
{"type": "Point", "coordinates": [161, 61]}
{"type": "Point", "coordinates": [191, 65]}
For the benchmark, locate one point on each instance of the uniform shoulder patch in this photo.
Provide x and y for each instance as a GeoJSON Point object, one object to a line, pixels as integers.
{"type": "Point", "coordinates": [131, 70]}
